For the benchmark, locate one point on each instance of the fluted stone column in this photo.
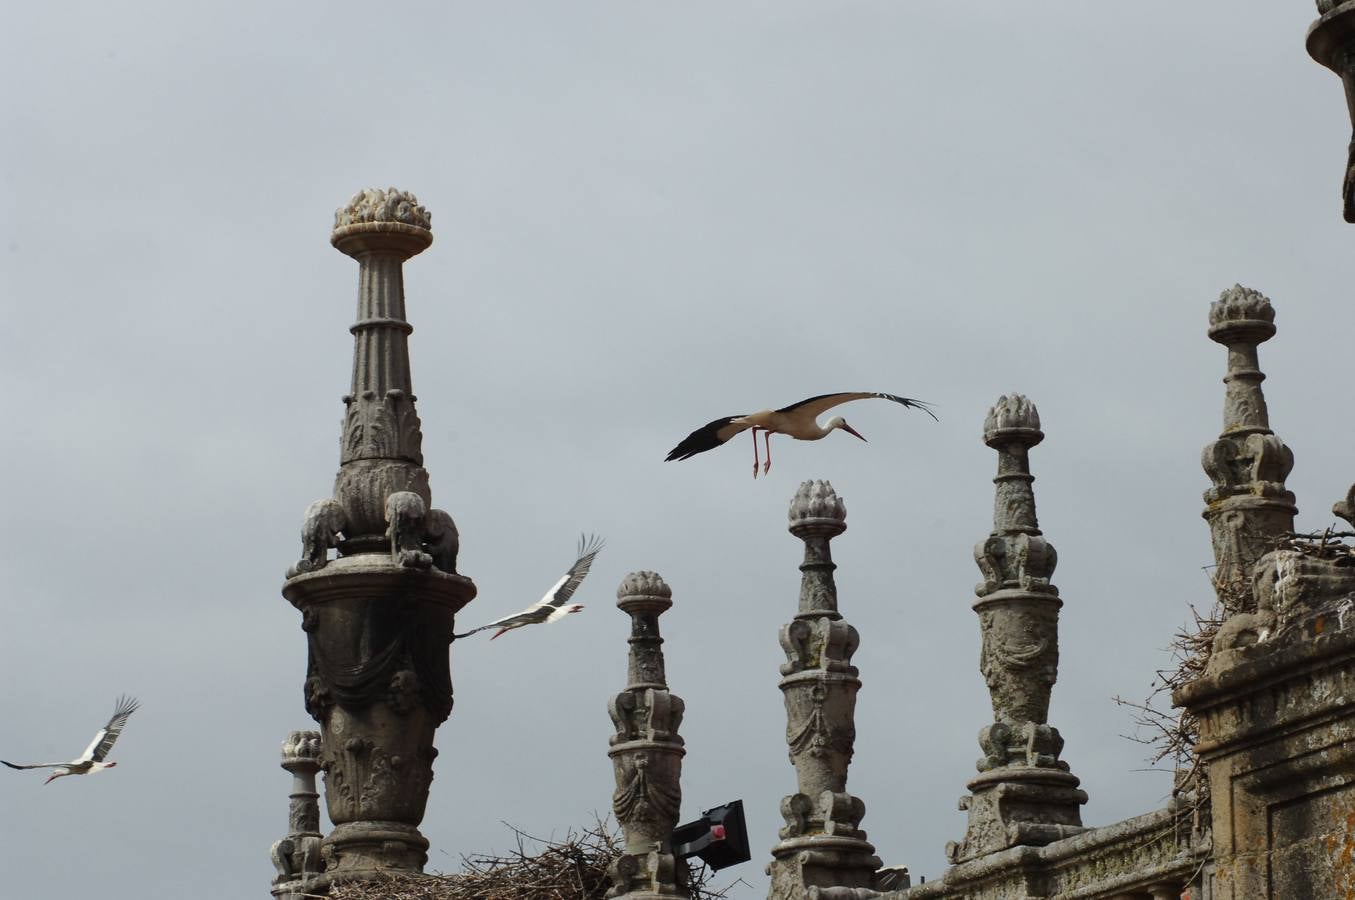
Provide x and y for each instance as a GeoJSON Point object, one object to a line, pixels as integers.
{"type": "Point", "coordinates": [1024, 794]}
{"type": "Point", "coordinates": [297, 856]}
{"type": "Point", "coordinates": [378, 618]}
{"type": "Point", "coordinates": [1331, 41]}
{"type": "Point", "coordinates": [1248, 506]}
{"type": "Point", "coordinates": [646, 753]}
{"type": "Point", "coordinates": [822, 844]}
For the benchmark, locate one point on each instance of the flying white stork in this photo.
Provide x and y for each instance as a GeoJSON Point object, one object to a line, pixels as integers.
{"type": "Point", "coordinates": [92, 760]}
{"type": "Point", "coordinates": [555, 605]}
{"type": "Point", "coordinates": [797, 420]}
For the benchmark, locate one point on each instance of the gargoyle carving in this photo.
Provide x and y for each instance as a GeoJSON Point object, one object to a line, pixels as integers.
{"type": "Point", "coordinates": [324, 521]}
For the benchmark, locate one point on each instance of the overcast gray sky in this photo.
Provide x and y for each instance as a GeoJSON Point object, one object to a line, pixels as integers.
{"type": "Point", "coordinates": [646, 216]}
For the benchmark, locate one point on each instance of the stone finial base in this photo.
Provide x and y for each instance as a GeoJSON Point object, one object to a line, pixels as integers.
{"type": "Point", "coordinates": [800, 864]}
{"type": "Point", "coordinates": [654, 875]}
{"type": "Point", "coordinates": [1018, 806]}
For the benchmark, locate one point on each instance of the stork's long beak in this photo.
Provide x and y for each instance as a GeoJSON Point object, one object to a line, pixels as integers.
{"type": "Point", "coordinates": [852, 431]}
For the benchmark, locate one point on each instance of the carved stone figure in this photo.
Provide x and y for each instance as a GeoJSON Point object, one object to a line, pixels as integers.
{"type": "Point", "coordinates": [320, 530]}
{"type": "Point", "coordinates": [442, 541]}
{"type": "Point", "coordinates": [405, 512]}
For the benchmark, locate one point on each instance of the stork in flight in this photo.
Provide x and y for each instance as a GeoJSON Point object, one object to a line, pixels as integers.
{"type": "Point", "coordinates": [555, 605]}
{"type": "Point", "coordinates": [92, 760]}
{"type": "Point", "coordinates": [797, 420]}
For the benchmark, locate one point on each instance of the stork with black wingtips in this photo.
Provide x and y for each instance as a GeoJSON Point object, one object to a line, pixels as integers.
{"type": "Point", "coordinates": [92, 760]}
{"type": "Point", "coordinates": [555, 605]}
{"type": "Point", "coordinates": [799, 420]}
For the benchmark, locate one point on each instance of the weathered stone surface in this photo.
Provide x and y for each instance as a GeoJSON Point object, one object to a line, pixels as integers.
{"type": "Point", "coordinates": [822, 845]}
{"type": "Point", "coordinates": [646, 753]}
{"type": "Point", "coordinates": [1248, 506]}
{"type": "Point", "coordinates": [297, 857]}
{"type": "Point", "coordinates": [378, 618]}
{"type": "Point", "coordinates": [1149, 856]}
{"type": "Point", "coordinates": [1024, 793]}
{"type": "Point", "coordinates": [1331, 41]}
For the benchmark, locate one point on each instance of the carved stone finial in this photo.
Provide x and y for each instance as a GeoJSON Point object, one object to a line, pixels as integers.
{"type": "Point", "coordinates": [378, 616]}
{"type": "Point", "coordinates": [373, 206]}
{"type": "Point", "coordinates": [1024, 793]}
{"type": "Point", "coordinates": [646, 752]}
{"type": "Point", "coordinates": [821, 844]}
{"type": "Point", "coordinates": [297, 857]}
{"type": "Point", "coordinates": [643, 586]}
{"type": "Point", "coordinates": [1248, 505]}
{"type": "Point", "coordinates": [817, 504]}
{"type": "Point", "coordinates": [300, 749]}
{"type": "Point", "coordinates": [1013, 419]}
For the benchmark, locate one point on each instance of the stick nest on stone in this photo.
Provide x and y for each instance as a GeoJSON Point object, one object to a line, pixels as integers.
{"type": "Point", "coordinates": [572, 868]}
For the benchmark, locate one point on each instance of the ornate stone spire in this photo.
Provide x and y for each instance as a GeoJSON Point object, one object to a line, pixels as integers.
{"type": "Point", "coordinates": [1331, 41]}
{"type": "Point", "coordinates": [1248, 506]}
{"type": "Point", "coordinates": [1024, 794]}
{"type": "Point", "coordinates": [822, 844]}
{"type": "Point", "coordinates": [378, 618]}
{"type": "Point", "coordinates": [646, 753]}
{"type": "Point", "coordinates": [297, 856]}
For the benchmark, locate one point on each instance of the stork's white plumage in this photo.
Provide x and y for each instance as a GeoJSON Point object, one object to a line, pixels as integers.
{"type": "Point", "coordinates": [555, 605]}
{"type": "Point", "coordinates": [799, 420]}
{"type": "Point", "coordinates": [92, 760]}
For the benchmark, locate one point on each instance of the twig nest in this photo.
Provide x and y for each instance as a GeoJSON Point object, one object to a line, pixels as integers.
{"type": "Point", "coordinates": [1013, 418]}
{"type": "Point", "coordinates": [1241, 313]}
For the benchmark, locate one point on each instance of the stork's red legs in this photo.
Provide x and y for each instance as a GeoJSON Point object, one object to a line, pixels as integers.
{"type": "Point", "coordinates": [754, 451]}
{"type": "Point", "coordinates": [767, 441]}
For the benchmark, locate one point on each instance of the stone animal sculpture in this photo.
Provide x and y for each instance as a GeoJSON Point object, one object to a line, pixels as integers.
{"type": "Point", "coordinates": [320, 529]}
{"type": "Point", "coordinates": [405, 513]}
{"type": "Point", "coordinates": [442, 540]}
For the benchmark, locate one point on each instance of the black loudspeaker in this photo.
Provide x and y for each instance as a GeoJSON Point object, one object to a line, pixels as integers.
{"type": "Point", "coordinates": [719, 837]}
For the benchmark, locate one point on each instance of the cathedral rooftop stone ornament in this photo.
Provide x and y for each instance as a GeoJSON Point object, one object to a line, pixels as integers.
{"type": "Point", "coordinates": [1024, 794]}
{"type": "Point", "coordinates": [822, 844]}
{"type": "Point", "coordinates": [1248, 506]}
{"type": "Point", "coordinates": [297, 857]}
{"type": "Point", "coordinates": [378, 616]}
{"type": "Point", "coordinates": [646, 753]}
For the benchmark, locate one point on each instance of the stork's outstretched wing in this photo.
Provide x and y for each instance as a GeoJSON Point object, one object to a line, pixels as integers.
{"type": "Point", "coordinates": [103, 741]}
{"type": "Point", "coordinates": [34, 765]}
{"type": "Point", "coordinates": [707, 437]}
{"type": "Point", "coordinates": [550, 607]}
{"type": "Point", "coordinates": [817, 406]}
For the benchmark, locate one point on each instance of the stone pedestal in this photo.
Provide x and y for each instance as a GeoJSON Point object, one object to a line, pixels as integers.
{"type": "Point", "coordinates": [378, 618]}
{"type": "Point", "coordinates": [646, 753]}
{"type": "Point", "coordinates": [822, 844]}
{"type": "Point", "coordinates": [1024, 793]}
